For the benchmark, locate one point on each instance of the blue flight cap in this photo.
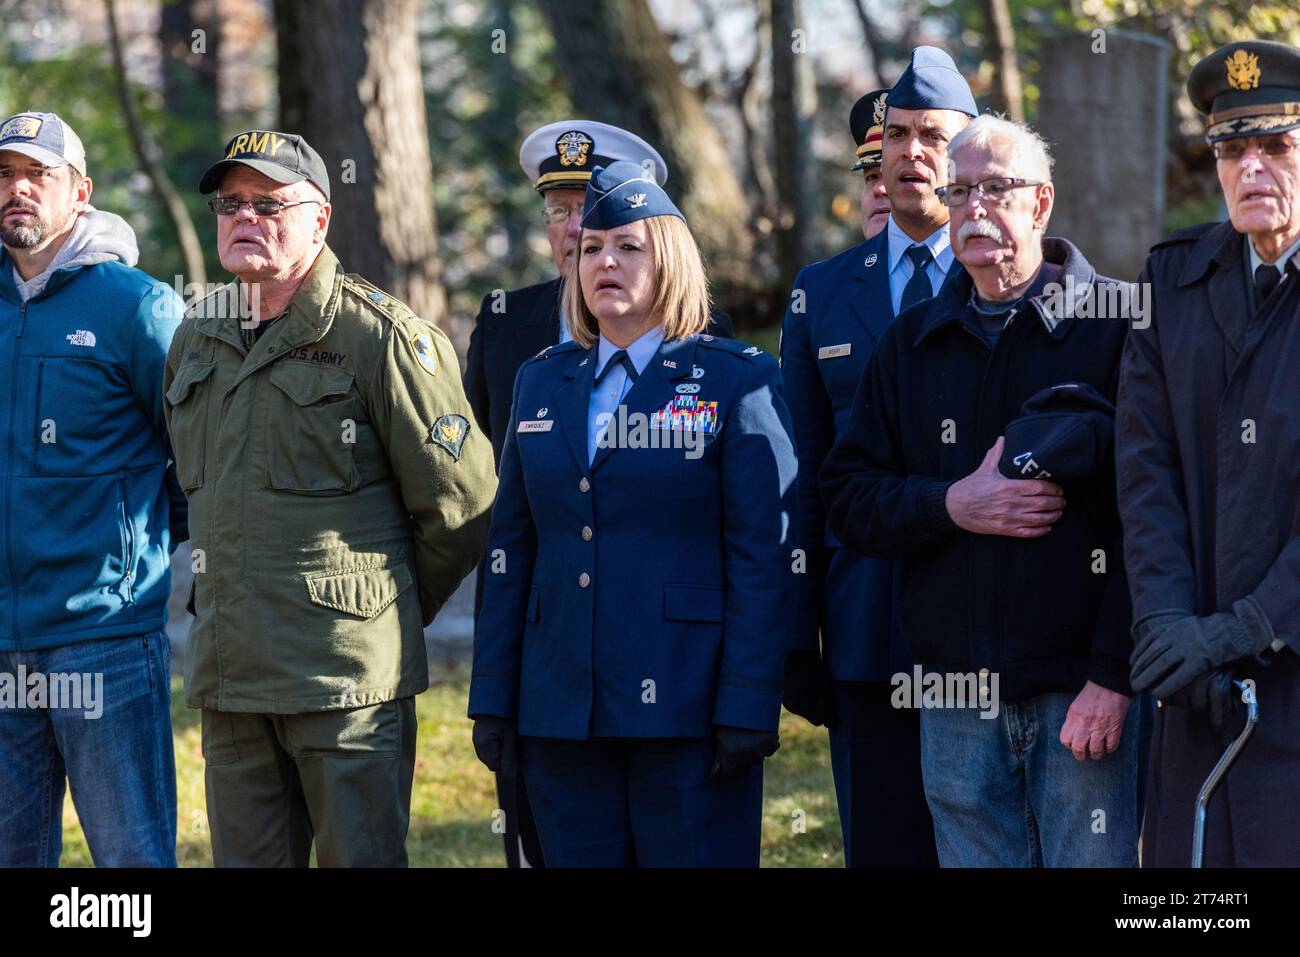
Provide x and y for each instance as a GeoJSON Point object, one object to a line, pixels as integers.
{"type": "Point", "coordinates": [931, 82]}
{"type": "Point", "coordinates": [622, 193]}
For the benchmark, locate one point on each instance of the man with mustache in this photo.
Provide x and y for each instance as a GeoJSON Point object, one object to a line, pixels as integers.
{"type": "Point", "coordinates": [1209, 473]}
{"type": "Point", "coordinates": [90, 515]}
{"type": "Point", "coordinates": [848, 646]}
{"type": "Point", "coordinates": [514, 326]}
{"type": "Point", "coordinates": [978, 454]}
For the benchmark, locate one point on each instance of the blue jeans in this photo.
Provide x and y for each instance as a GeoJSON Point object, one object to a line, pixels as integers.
{"type": "Point", "coordinates": [1004, 792]}
{"type": "Point", "coordinates": [120, 764]}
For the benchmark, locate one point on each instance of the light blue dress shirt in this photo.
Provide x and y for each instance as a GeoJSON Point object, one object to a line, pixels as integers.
{"type": "Point", "coordinates": [1256, 260]}
{"type": "Point", "coordinates": [605, 398]}
{"type": "Point", "coordinates": [900, 266]}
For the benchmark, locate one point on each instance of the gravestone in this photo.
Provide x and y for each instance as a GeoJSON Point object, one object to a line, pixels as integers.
{"type": "Point", "coordinates": [1105, 116]}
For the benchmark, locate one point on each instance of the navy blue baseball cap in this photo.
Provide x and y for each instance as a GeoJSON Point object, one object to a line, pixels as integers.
{"type": "Point", "coordinates": [45, 138]}
{"type": "Point", "coordinates": [622, 193]}
{"type": "Point", "coordinates": [931, 82]}
{"type": "Point", "coordinates": [1065, 432]}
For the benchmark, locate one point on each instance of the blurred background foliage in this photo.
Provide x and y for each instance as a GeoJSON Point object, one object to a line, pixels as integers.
{"type": "Point", "coordinates": [492, 70]}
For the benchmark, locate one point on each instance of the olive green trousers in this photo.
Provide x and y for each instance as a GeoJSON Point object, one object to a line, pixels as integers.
{"type": "Point", "coordinates": [276, 783]}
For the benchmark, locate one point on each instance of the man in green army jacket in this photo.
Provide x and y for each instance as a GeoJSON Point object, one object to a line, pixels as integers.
{"type": "Point", "coordinates": [338, 493]}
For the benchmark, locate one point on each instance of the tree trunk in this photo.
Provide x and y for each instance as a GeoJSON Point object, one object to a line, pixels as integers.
{"type": "Point", "coordinates": [149, 157]}
{"type": "Point", "coordinates": [189, 77]}
{"type": "Point", "coordinates": [1001, 42]}
{"type": "Point", "coordinates": [791, 135]}
{"type": "Point", "coordinates": [619, 70]}
{"type": "Point", "coordinates": [350, 83]}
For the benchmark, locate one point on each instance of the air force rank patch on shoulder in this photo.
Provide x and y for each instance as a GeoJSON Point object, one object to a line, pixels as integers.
{"type": "Point", "coordinates": [450, 432]}
{"type": "Point", "coordinates": [425, 354]}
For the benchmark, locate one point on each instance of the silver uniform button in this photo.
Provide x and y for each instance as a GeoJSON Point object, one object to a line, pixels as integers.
{"type": "Point", "coordinates": [584, 580]}
{"type": "Point", "coordinates": [583, 484]}
{"type": "Point", "coordinates": [586, 533]}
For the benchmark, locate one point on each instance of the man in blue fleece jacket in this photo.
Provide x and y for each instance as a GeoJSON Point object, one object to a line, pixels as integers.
{"type": "Point", "coordinates": [89, 514]}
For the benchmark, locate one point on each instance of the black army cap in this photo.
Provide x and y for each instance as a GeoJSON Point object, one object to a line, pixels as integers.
{"type": "Point", "coordinates": [284, 157]}
{"type": "Point", "coordinates": [1065, 432]}
{"type": "Point", "coordinates": [867, 124]}
{"type": "Point", "coordinates": [1249, 88]}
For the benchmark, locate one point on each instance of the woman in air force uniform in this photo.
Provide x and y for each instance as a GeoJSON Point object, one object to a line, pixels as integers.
{"type": "Point", "coordinates": [630, 651]}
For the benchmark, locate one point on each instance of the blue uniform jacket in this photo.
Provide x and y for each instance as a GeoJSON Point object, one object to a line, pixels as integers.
{"type": "Point", "coordinates": [838, 311]}
{"type": "Point", "coordinates": [648, 595]}
{"type": "Point", "coordinates": [90, 506]}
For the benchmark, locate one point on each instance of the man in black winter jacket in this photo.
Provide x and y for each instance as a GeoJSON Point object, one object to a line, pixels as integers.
{"type": "Point", "coordinates": [1014, 599]}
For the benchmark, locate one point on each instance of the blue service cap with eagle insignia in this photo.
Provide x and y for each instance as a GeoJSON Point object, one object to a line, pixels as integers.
{"type": "Point", "coordinates": [1250, 88]}
{"type": "Point", "coordinates": [284, 157]}
{"type": "Point", "coordinates": [867, 124]}
{"type": "Point", "coordinates": [562, 155]}
{"type": "Point", "coordinates": [621, 193]}
{"type": "Point", "coordinates": [932, 82]}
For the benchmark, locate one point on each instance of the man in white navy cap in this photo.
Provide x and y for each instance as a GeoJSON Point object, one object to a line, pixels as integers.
{"type": "Point", "coordinates": [514, 326]}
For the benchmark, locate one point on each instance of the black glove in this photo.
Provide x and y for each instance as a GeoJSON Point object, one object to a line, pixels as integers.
{"type": "Point", "coordinates": [1213, 694]}
{"type": "Point", "coordinates": [1173, 648]}
{"type": "Point", "coordinates": [496, 742]}
{"type": "Point", "coordinates": [736, 749]}
{"type": "Point", "coordinates": [808, 691]}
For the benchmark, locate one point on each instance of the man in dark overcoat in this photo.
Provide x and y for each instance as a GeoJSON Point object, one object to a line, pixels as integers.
{"type": "Point", "coordinates": [1208, 450]}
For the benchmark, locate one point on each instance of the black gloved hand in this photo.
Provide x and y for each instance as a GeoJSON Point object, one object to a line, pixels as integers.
{"type": "Point", "coordinates": [1213, 694]}
{"type": "Point", "coordinates": [808, 691]}
{"type": "Point", "coordinates": [1174, 648]}
{"type": "Point", "coordinates": [736, 749]}
{"type": "Point", "coordinates": [496, 742]}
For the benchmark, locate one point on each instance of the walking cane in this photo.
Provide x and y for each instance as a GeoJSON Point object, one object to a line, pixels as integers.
{"type": "Point", "coordinates": [1220, 769]}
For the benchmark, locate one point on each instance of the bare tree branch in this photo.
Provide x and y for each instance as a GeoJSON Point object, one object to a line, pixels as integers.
{"type": "Point", "coordinates": [150, 158]}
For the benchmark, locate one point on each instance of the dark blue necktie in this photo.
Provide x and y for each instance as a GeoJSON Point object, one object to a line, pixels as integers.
{"type": "Point", "coordinates": [918, 287]}
{"type": "Point", "coordinates": [1266, 279]}
{"type": "Point", "coordinates": [619, 358]}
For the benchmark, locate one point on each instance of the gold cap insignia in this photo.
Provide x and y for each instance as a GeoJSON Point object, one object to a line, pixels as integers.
{"type": "Point", "coordinates": [573, 148]}
{"type": "Point", "coordinates": [878, 110]}
{"type": "Point", "coordinates": [1243, 70]}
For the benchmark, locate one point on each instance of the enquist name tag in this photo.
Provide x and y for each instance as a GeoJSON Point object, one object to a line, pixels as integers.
{"type": "Point", "coordinates": [536, 425]}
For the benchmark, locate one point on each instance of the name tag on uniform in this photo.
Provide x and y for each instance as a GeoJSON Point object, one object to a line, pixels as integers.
{"type": "Point", "coordinates": [834, 352]}
{"type": "Point", "coordinates": [536, 425]}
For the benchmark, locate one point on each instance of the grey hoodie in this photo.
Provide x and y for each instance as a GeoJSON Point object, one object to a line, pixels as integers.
{"type": "Point", "coordinates": [96, 237]}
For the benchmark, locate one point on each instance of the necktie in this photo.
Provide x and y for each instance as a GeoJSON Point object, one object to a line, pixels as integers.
{"type": "Point", "coordinates": [619, 358]}
{"type": "Point", "coordinates": [918, 287]}
{"type": "Point", "coordinates": [1266, 280]}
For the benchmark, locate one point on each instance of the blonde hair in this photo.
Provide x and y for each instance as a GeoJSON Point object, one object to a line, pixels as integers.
{"type": "Point", "coordinates": [681, 285]}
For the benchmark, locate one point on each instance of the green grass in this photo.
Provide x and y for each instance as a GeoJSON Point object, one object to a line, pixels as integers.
{"type": "Point", "coordinates": [454, 796]}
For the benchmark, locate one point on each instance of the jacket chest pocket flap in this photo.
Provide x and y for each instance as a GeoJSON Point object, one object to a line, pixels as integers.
{"type": "Point", "coordinates": [188, 421]}
{"type": "Point", "coordinates": [311, 427]}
